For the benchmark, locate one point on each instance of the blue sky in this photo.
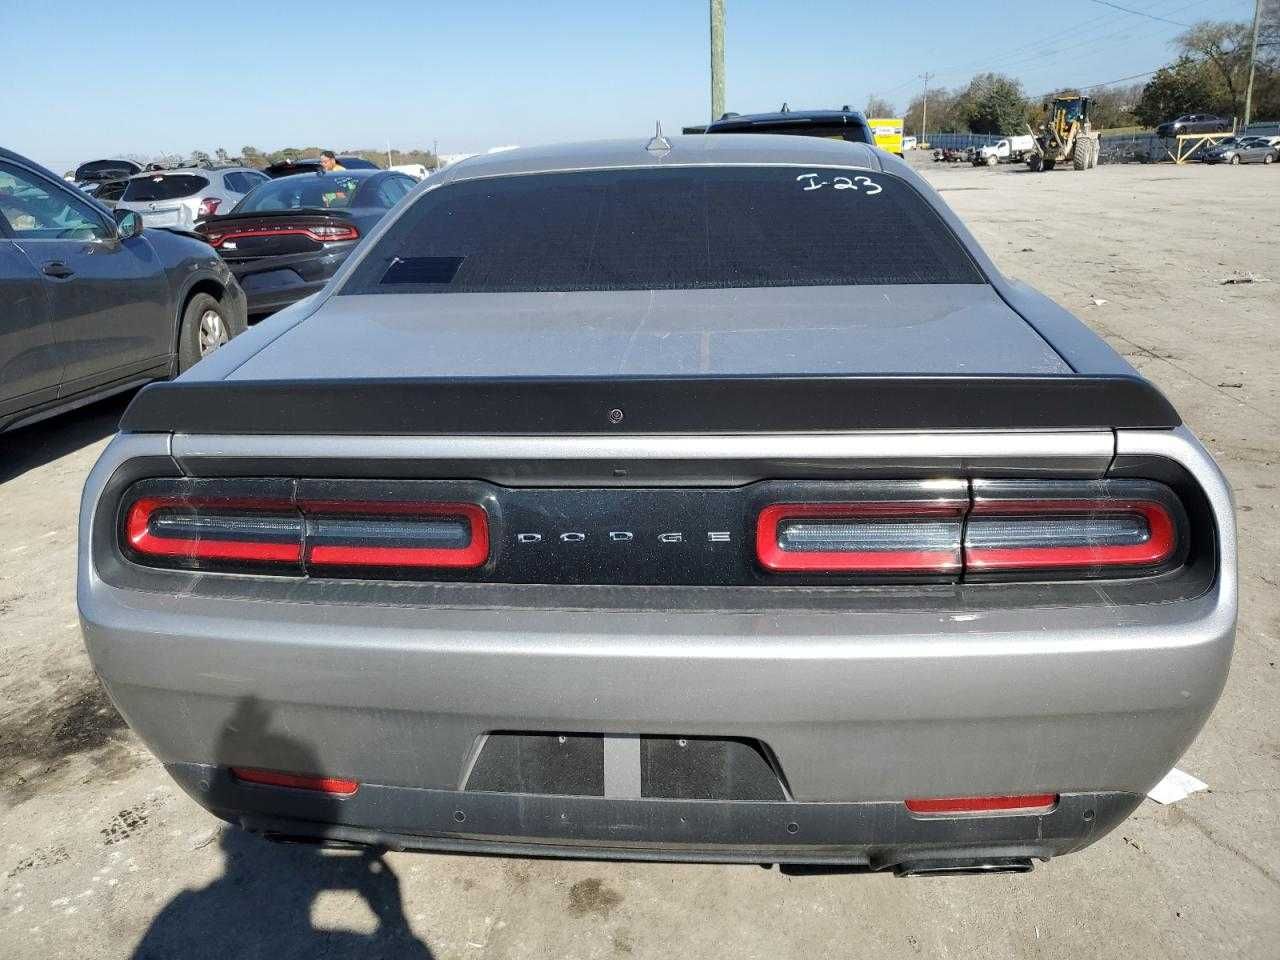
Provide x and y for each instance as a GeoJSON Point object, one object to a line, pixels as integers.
{"type": "Point", "coordinates": [101, 79]}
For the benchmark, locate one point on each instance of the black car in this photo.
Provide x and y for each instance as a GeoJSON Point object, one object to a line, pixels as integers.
{"type": "Point", "coordinates": [101, 171]}
{"type": "Point", "coordinates": [1193, 123]}
{"type": "Point", "coordinates": [288, 237]}
{"type": "Point", "coordinates": [290, 167]}
{"type": "Point", "coordinates": [92, 304]}
{"type": "Point", "coordinates": [842, 124]}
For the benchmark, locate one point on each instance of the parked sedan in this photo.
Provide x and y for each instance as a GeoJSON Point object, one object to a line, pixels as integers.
{"type": "Point", "coordinates": [181, 198]}
{"type": "Point", "coordinates": [1193, 123]}
{"type": "Point", "coordinates": [1235, 150]}
{"type": "Point", "coordinates": [287, 238]}
{"type": "Point", "coordinates": [92, 304]}
{"type": "Point", "coordinates": [710, 499]}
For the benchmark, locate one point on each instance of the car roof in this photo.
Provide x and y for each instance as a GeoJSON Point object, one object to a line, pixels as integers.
{"type": "Point", "coordinates": [782, 116]}
{"type": "Point", "coordinates": [704, 149]}
{"type": "Point", "coordinates": [360, 173]}
{"type": "Point", "coordinates": [186, 171]}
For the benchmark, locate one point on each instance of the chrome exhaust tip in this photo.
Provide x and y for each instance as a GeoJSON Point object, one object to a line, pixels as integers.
{"type": "Point", "coordinates": [967, 866]}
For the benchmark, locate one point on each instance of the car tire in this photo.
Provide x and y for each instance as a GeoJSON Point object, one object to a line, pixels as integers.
{"type": "Point", "coordinates": [1048, 164]}
{"type": "Point", "coordinates": [1268, 158]}
{"type": "Point", "coordinates": [205, 327]}
{"type": "Point", "coordinates": [1035, 163]}
{"type": "Point", "coordinates": [1235, 159]}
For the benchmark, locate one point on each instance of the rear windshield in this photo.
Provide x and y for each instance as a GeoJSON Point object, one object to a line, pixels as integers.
{"type": "Point", "coordinates": [305, 191]}
{"type": "Point", "coordinates": [105, 169]}
{"type": "Point", "coordinates": [164, 186]}
{"type": "Point", "coordinates": [704, 227]}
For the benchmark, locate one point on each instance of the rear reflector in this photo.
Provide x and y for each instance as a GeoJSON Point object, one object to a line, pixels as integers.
{"type": "Point", "coordinates": [870, 537]}
{"type": "Point", "coordinates": [453, 535]}
{"type": "Point", "coordinates": [952, 806]}
{"type": "Point", "coordinates": [333, 786]}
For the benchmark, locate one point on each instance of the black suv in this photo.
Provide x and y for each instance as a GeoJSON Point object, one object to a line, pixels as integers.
{"type": "Point", "coordinates": [842, 124]}
{"type": "Point", "coordinates": [1193, 123]}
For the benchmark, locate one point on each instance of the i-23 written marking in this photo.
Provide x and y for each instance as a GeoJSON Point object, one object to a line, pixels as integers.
{"type": "Point", "coordinates": [868, 186]}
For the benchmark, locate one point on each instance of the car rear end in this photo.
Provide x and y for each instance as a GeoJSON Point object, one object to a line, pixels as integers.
{"type": "Point", "coordinates": [289, 236]}
{"type": "Point", "coordinates": [173, 198]}
{"type": "Point", "coordinates": [799, 574]}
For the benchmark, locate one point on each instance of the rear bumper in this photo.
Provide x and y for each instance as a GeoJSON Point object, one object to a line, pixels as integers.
{"type": "Point", "coordinates": [874, 836]}
{"type": "Point", "coordinates": [860, 709]}
{"type": "Point", "coordinates": [274, 283]}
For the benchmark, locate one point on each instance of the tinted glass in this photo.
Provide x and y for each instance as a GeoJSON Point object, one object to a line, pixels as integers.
{"type": "Point", "coordinates": [37, 210]}
{"type": "Point", "coordinates": [392, 190]}
{"type": "Point", "coordinates": [665, 229]}
{"type": "Point", "coordinates": [105, 169]}
{"type": "Point", "coordinates": [852, 131]}
{"type": "Point", "coordinates": [163, 186]}
{"type": "Point", "coordinates": [112, 190]}
{"type": "Point", "coordinates": [307, 191]}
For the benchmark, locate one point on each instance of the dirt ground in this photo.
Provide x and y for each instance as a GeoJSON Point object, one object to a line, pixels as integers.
{"type": "Point", "coordinates": [101, 856]}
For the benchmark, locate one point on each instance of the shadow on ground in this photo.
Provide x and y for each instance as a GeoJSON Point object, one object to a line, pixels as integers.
{"type": "Point", "coordinates": [263, 903]}
{"type": "Point", "coordinates": [41, 443]}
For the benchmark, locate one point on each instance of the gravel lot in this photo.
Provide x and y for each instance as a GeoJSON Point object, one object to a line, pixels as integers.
{"type": "Point", "coordinates": [101, 856]}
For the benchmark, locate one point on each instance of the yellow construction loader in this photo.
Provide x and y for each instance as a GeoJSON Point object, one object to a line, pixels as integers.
{"type": "Point", "coordinates": [1066, 136]}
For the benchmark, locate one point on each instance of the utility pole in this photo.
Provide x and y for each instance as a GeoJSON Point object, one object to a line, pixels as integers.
{"type": "Point", "coordinates": [924, 117]}
{"type": "Point", "coordinates": [717, 59]}
{"type": "Point", "coordinates": [1253, 57]}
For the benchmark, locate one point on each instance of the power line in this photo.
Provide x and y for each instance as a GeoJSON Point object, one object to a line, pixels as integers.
{"type": "Point", "coordinates": [1149, 16]}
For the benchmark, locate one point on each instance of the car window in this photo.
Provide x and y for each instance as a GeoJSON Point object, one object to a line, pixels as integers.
{"type": "Point", "coordinates": [233, 183]}
{"type": "Point", "coordinates": [163, 186]}
{"type": "Point", "coordinates": [307, 191]}
{"type": "Point", "coordinates": [708, 227]}
{"type": "Point", "coordinates": [105, 169]}
{"type": "Point", "coordinates": [36, 210]}
{"type": "Point", "coordinates": [392, 190]}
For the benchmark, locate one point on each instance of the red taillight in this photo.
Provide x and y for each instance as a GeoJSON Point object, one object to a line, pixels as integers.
{"type": "Point", "coordinates": [448, 535]}
{"type": "Point", "coordinates": [322, 233]}
{"type": "Point", "coordinates": [209, 206]}
{"type": "Point", "coordinates": [998, 529]}
{"type": "Point", "coordinates": [334, 786]}
{"type": "Point", "coordinates": [1067, 534]}
{"type": "Point", "coordinates": [214, 529]}
{"type": "Point", "coordinates": [957, 806]}
{"type": "Point", "coordinates": [868, 537]}
{"type": "Point", "coordinates": [218, 532]}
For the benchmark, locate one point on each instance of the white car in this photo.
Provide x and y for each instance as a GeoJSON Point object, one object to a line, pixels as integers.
{"type": "Point", "coordinates": [182, 197]}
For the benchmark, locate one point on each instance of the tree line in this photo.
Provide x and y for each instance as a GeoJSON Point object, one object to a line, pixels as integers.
{"type": "Point", "coordinates": [1209, 74]}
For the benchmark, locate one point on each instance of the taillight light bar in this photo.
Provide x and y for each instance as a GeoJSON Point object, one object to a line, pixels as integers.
{"type": "Point", "coordinates": [249, 531]}
{"type": "Point", "coordinates": [323, 233]}
{"type": "Point", "coordinates": [868, 537]}
{"type": "Point", "coordinates": [443, 535]}
{"type": "Point", "coordinates": [968, 806]}
{"type": "Point", "coordinates": [1005, 529]}
{"type": "Point", "coordinates": [240, 533]}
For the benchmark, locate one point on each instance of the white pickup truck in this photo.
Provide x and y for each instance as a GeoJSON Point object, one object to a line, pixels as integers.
{"type": "Point", "coordinates": [1008, 150]}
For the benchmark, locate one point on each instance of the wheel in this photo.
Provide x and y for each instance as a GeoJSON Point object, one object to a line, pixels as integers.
{"type": "Point", "coordinates": [1080, 154]}
{"type": "Point", "coordinates": [1235, 159]}
{"type": "Point", "coordinates": [1268, 158]}
{"type": "Point", "coordinates": [1049, 164]}
{"type": "Point", "coordinates": [992, 161]}
{"type": "Point", "coordinates": [205, 327]}
{"type": "Point", "coordinates": [1035, 162]}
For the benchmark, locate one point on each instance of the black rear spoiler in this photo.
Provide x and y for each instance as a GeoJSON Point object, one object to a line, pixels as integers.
{"type": "Point", "coordinates": [686, 405]}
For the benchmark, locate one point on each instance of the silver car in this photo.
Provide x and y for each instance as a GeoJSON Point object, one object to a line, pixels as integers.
{"type": "Point", "coordinates": [1237, 150]}
{"type": "Point", "coordinates": [714, 498]}
{"type": "Point", "coordinates": [182, 197]}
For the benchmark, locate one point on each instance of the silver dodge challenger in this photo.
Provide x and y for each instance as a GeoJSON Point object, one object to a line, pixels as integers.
{"type": "Point", "coordinates": [713, 498]}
